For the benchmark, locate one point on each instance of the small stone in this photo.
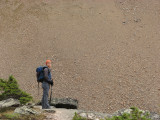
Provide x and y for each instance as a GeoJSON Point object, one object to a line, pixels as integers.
{"type": "Point", "coordinates": [83, 115]}
{"type": "Point", "coordinates": [91, 115]}
{"type": "Point", "coordinates": [124, 22]}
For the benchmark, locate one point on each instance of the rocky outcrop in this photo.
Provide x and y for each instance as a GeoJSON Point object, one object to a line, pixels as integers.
{"type": "Point", "coordinates": [25, 110]}
{"type": "Point", "coordinates": [93, 115]}
{"type": "Point", "coordinates": [9, 103]}
{"type": "Point", "coordinates": [60, 112]}
{"type": "Point", "coordinates": [97, 116]}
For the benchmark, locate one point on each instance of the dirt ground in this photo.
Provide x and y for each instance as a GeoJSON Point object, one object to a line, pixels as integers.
{"type": "Point", "coordinates": [105, 53]}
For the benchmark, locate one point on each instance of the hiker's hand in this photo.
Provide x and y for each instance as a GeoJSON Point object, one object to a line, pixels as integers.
{"type": "Point", "coordinates": [51, 83]}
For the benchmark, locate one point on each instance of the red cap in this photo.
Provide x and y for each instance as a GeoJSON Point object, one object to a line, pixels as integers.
{"type": "Point", "coordinates": [47, 61]}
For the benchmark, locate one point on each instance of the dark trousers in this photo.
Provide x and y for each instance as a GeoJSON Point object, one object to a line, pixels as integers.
{"type": "Point", "coordinates": [45, 104]}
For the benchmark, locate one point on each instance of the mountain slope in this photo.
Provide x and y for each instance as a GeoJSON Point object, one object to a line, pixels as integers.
{"type": "Point", "coordinates": [104, 52]}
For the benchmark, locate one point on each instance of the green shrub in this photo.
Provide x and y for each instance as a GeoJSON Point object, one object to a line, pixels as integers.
{"type": "Point", "coordinates": [10, 89]}
{"type": "Point", "coordinates": [77, 117]}
{"type": "Point", "coordinates": [16, 116]}
{"type": "Point", "coordinates": [135, 114]}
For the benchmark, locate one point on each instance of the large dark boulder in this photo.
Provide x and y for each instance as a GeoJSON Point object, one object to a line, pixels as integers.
{"type": "Point", "coordinates": [67, 103]}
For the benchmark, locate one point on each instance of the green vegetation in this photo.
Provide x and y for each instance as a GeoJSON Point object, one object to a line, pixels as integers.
{"type": "Point", "coordinates": [135, 114]}
{"type": "Point", "coordinates": [10, 89]}
{"type": "Point", "coordinates": [77, 117]}
{"type": "Point", "coordinates": [9, 114]}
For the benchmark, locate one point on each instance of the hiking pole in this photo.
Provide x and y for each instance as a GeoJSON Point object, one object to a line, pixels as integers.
{"type": "Point", "coordinates": [38, 88]}
{"type": "Point", "coordinates": [50, 96]}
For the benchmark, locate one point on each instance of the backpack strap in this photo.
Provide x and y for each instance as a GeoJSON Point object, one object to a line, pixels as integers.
{"type": "Point", "coordinates": [46, 67]}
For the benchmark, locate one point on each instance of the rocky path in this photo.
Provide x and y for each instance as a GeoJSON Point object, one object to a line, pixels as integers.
{"type": "Point", "coordinates": [64, 113]}
{"type": "Point", "coordinates": [68, 114]}
{"type": "Point", "coordinates": [61, 114]}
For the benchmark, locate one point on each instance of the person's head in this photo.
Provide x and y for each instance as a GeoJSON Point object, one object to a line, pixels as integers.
{"type": "Point", "coordinates": [48, 63]}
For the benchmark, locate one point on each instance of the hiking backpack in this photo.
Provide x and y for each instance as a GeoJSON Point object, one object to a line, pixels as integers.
{"type": "Point", "coordinates": [40, 74]}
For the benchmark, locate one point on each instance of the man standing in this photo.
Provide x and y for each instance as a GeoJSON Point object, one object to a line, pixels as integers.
{"type": "Point", "coordinates": [46, 85]}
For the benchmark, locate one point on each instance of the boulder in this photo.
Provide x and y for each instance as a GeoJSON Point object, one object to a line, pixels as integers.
{"type": "Point", "coordinates": [9, 103]}
{"type": "Point", "coordinates": [67, 103]}
{"type": "Point", "coordinates": [91, 115]}
{"type": "Point", "coordinates": [25, 110]}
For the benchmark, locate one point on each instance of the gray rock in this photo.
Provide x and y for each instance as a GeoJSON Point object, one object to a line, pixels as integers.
{"type": "Point", "coordinates": [93, 115]}
{"type": "Point", "coordinates": [25, 110]}
{"type": "Point", "coordinates": [154, 116]}
{"type": "Point", "coordinates": [31, 105]}
{"type": "Point", "coordinates": [120, 112]}
{"type": "Point", "coordinates": [68, 103]}
{"type": "Point", "coordinates": [68, 114]}
{"type": "Point", "coordinates": [84, 115]}
{"type": "Point", "coordinates": [9, 103]}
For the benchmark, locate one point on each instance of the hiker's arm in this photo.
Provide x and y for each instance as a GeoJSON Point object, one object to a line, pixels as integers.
{"type": "Point", "coordinates": [46, 76]}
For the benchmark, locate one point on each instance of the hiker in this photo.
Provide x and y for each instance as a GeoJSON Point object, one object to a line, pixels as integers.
{"type": "Point", "coordinates": [46, 82]}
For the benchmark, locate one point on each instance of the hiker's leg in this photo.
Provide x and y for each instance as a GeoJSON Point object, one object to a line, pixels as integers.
{"type": "Point", "coordinates": [45, 104]}
{"type": "Point", "coordinates": [42, 101]}
{"type": "Point", "coordinates": [46, 97]}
